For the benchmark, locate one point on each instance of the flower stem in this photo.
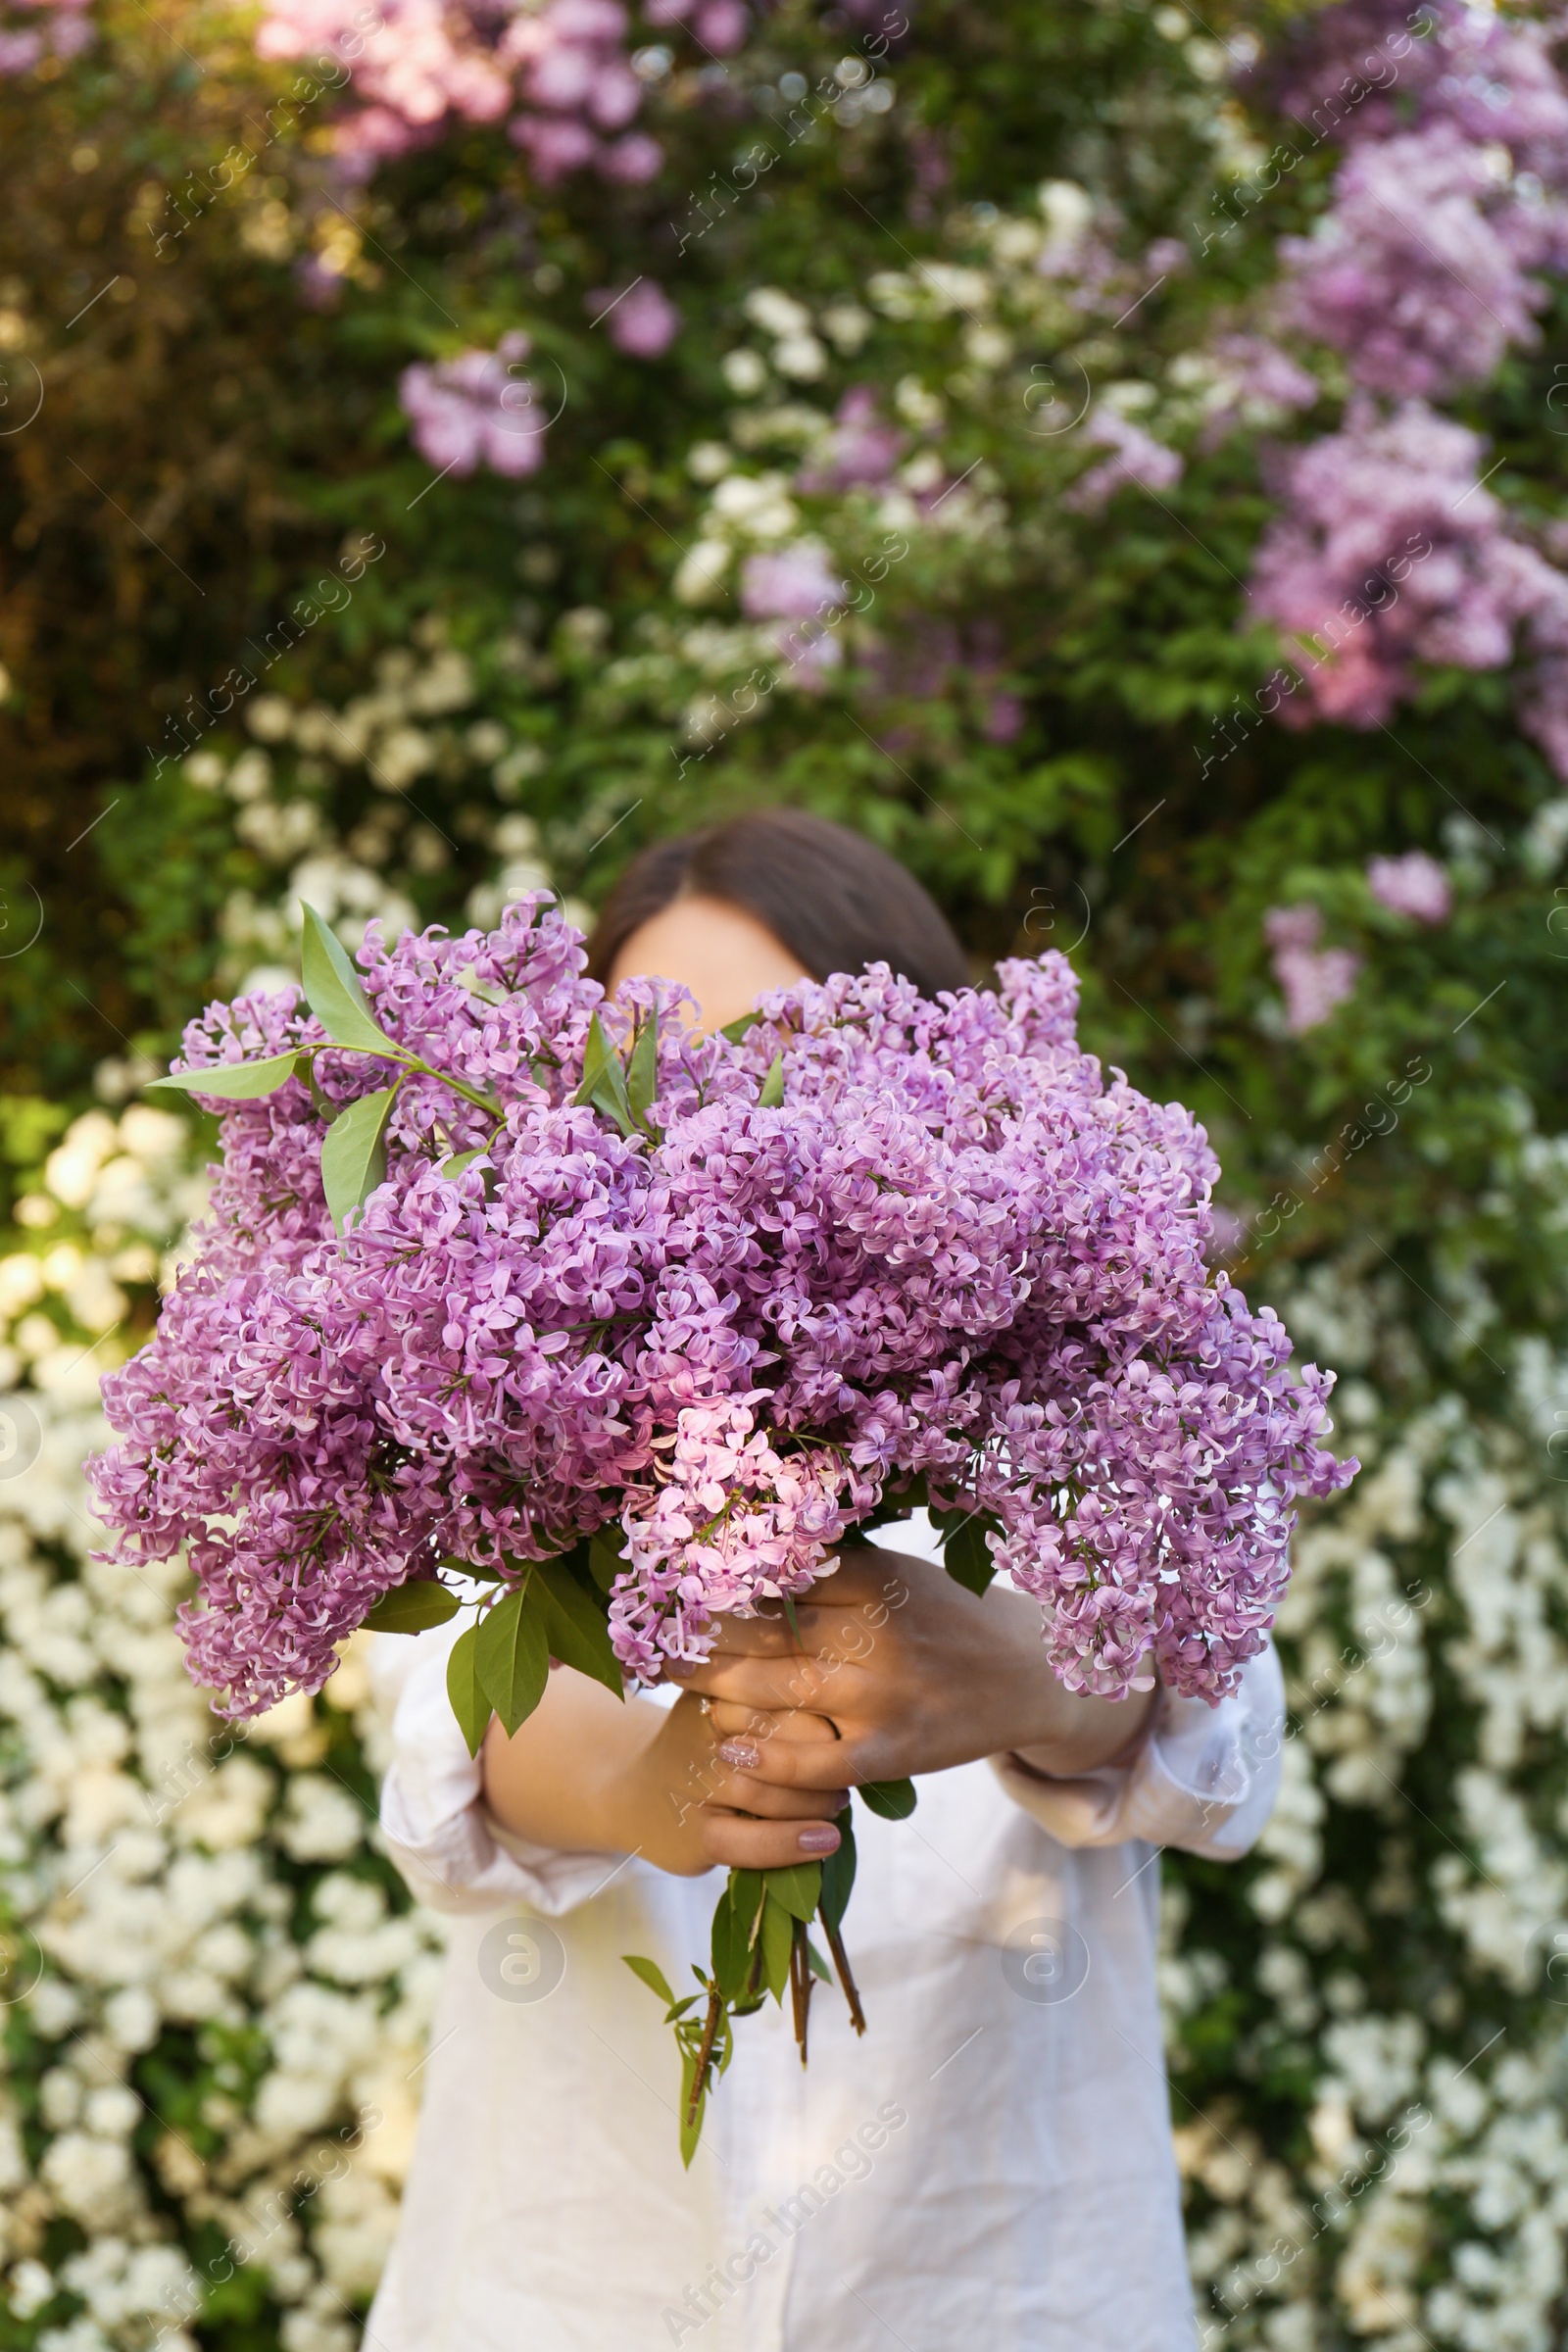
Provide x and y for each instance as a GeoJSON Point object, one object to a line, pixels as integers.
{"type": "Point", "coordinates": [705, 2051]}
{"type": "Point", "coordinates": [800, 1983]}
{"type": "Point", "coordinates": [841, 1961]}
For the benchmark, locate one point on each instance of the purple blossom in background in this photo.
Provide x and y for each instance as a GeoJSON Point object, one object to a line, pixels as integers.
{"type": "Point", "coordinates": [60, 28]}
{"type": "Point", "coordinates": [1138, 458]}
{"type": "Point", "coordinates": [1414, 884]}
{"type": "Point", "coordinates": [720, 26]}
{"type": "Point", "coordinates": [953, 1252]}
{"type": "Point", "coordinates": [640, 318]}
{"type": "Point", "coordinates": [791, 583]}
{"type": "Point", "coordinates": [1449, 210]}
{"type": "Point", "coordinates": [558, 74]}
{"type": "Point", "coordinates": [1388, 552]}
{"type": "Point", "coordinates": [476, 410]}
{"type": "Point", "coordinates": [1251, 383]}
{"type": "Point", "coordinates": [859, 451]}
{"type": "Point", "coordinates": [1421, 272]}
{"type": "Point", "coordinates": [1361, 71]}
{"type": "Point", "coordinates": [1315, 980]}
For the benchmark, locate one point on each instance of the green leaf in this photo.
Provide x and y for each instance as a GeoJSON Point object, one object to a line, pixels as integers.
{"type": "Point", "coordinates": [965, 1554]}
{"type": "Point", "coordinates": [409, 1608]}
{"type": "Point", "coordinates": [838, 1873]}
{"type": "Point", "coordinates": [231, 1081]}
{"type": "Point", "coordinates": [469, 1703]}
{"type": "Point", "coordinates": [354, 1154]}
{"type": "Point", "coordinates": [642, 1070]}
{"type": "Point", "coordinates": [798, 1887]}
{"type": "Point", "coordinates": [818, 1966]}
{"type": "Point", "coordinates": [577, 1628]}
{"type": "Point", "coordinates": [596, 1053]}
{"type": "Point", "coordinates": [772, 1094]}
{"type": "Point", "coordinates": [777, 1936]}
{"type": "Point", "coordinates": [333, 992]}
{"type": "Point", "coordinates": [459, 1160]}
{"type": "Point", "coordinates": [895, 1800]}
{"type": "Point", "coordinates": [735, 1930]}
{"type": "Point", "coordinates": [604, 1081]}
{"type": "Point", "coordinates": [652, 1976]}
{"type": "Point", "coordinates": [604, 1559]}
{"type": "Point", "coordinates": [735, 1030]}
{"type": "Point", "coordinates": [512, 1657]}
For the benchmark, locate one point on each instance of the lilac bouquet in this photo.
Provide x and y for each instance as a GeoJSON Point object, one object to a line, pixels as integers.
{"type": "Point", "coordinates": [517, 1299]}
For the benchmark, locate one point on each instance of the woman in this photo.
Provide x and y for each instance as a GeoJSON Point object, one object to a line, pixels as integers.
{"type": "Point", "coordinates": [992, 2163]}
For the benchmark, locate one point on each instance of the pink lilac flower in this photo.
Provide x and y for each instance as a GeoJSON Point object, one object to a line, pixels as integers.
{"type": "Point", "coordinates": [1363, 70]}
{"type": "Point", "coordinates": [1414, 884]}
{"type": "Point", "coordinates": [1448, 216]}
{"type": "Point", "coordinates": [639, 319]}
{"type": "Point", "coordinates": [954, 1253]}
{"type": "Point", "coordinates": [790, 583]}
{"type": "Point", "coordinates": [1137, 458]}
{"type": "Point", "coordinates": [720, 26]}
{"type": "Point", "coordinates": [1315, 980]}
{"type": "Point", "coordinates": [1252, 383]}
{"type": "Point", "coordinates": [860, 449]}
{"type": "Point", "coordinates": [476, 410]}
{"type": "Point", "coordinates": [50, 28]}
{"type": "Point", "coordinates": [1388, 551]}
{"type": "Point", "coordinates": [559, 73]}
{"type": "Point", "coordinates": [1421, 272]}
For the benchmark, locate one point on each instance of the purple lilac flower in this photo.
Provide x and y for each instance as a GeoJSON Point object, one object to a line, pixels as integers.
{"type": "Point", "coordinates": [476, 410]}
{"type": "Point", "coordinates": [639, 319]}
{"type": "Point", "coordinates": [1414, 884]}
{"type": "Point", "coordinates": [955, 1250]}
{"type": "Point", "coordinates": [1315, 980]}
{"type": "Point", "coordinates": [1388, 551]}
{"type": "Point", "coordinates": [1136, 458]}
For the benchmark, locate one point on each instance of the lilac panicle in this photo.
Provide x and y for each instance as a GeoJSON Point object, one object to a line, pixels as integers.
{"type": "Point", "coordinates": [958, 1251]}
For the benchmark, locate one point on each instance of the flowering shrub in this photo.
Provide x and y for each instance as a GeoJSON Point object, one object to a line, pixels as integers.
{"type": "Point", "coordinates": [217, 1994]}
{"type": "Point", "coordinates": [1286, 786]}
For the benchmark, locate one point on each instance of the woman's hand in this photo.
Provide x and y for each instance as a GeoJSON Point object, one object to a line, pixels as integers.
{"type": "Point", "coordinates": [587, 1772]}
{"type": "Point", "coordinates": [912, 1671]}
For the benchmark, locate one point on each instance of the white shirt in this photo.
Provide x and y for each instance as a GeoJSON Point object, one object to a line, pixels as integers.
{"type": "Point", "coordinates": [991, 2166]}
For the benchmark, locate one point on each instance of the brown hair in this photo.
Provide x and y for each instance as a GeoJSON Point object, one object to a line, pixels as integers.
{"type": "Point", "coordinates": [831, 897]}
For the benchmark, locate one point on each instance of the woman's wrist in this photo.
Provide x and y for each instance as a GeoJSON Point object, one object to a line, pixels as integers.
{"type": "Point", "coordinates": [1050, 1728]}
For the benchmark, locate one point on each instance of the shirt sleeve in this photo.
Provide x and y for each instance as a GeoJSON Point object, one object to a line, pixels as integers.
{"type": "Point", "coordinates": [453, 1856]}
{"type": "Point", "coordinates": [1206, 1778]}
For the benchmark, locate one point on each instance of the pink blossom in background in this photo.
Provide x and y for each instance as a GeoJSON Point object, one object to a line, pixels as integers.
{"type": "Point", "coordinates": [1420, 274]}
{"type": "Point", "coordinates": [640, 320]}
{"type": "Point", "coordinates": [1387, 552]}
{"type": "Point", "coordinates": [476, 410]}
{"type": "Point", "coordinates": [1003, 718]}
{"type": "Point", "coordinates": [793, 583]}
{"type": "Point", "coordinates": [1491, 76]}
{"type": "Point", "coordinates": [795, 586]}
{"type": "Point", "coordinates": [562, 67]}
{"type": "Point", "coordinates": [860, 449]}
{"type": "Point", "coordinates": [720, 26]}
{"type": "Point", "coordinates": [1137, 457]}
{"type": "Point", "coordinates": [1414, 884]}
{"type": "Point", "coordinates": [1314, 980]}
{"type": "Point", "coordinates": [54, 28]}
{"type": "Point", "coordinates": [1252, 382]}
{"type": "Point", "coordinates": [1450, 208]}
{"type": "Point", "coordinates": [422, 63]}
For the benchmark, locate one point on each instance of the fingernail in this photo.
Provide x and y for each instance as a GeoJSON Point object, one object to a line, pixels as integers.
{"type": "Point", "coordinates": [740, 1753]}
{"type": "Point", "coordinates": [822, 1838]}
